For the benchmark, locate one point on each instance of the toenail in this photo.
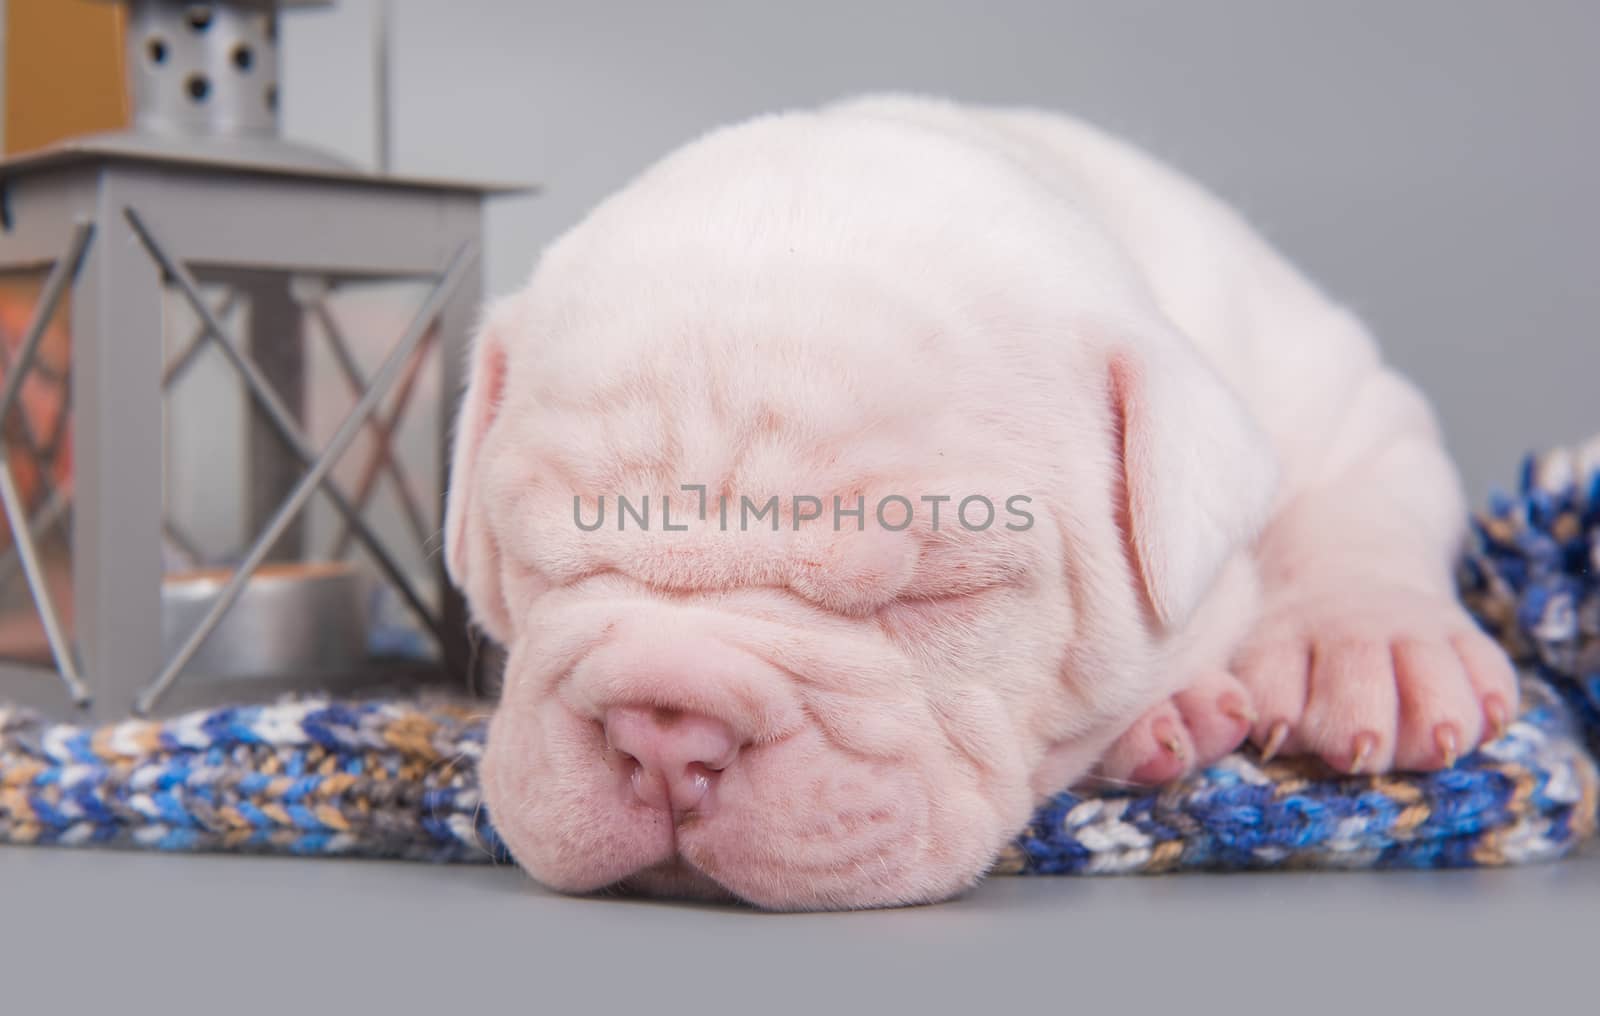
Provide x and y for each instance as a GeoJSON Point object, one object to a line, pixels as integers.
{"type": "Point", "coordinates": [1236, 708]}
{"type": "Point", "coordinates": [1276, 735]}
{"type": "Point", "coordinates": [1449, 743]}
{"type": "Point", "coordinates": [1364, 745]}
{"type": "Point", "coordinates": [1494, 710]}
{"type": "Point", "coordinates": [1168, 739]}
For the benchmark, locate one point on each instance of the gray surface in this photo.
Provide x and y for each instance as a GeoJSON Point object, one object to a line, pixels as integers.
{"type": "Point", "coordinates": [92, 931]}
{"type": "Point", "coordinates": [1431, 162]}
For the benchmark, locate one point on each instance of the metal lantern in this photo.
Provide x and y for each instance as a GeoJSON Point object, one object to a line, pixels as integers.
{"type": "Point", "coordinates": [228, 367]}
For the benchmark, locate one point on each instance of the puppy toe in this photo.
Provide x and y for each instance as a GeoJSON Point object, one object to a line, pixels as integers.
{"type": "Point", "coordinates": [1440, 716]}
{"type": "Point", "coordinates": [1156, 749]}
{"type": "Point", "coordinates": [1219, 714]}
{"type": "Point", "coordinates": [1493, 680]}
{"type": "Point", "coordinates": [1275, 672]}
{"type": "Point", "coordinates": [1351, 705]}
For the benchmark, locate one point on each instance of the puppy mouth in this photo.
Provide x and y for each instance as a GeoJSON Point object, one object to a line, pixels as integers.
{"type": "Point", "coordinates": [683, 872]}
{"type": "Point", "coordinates": [676, 879]}
{"type": "Point", "coordinates": [668, 757]}
{"type": "Point", "coordinates": [847, 832]}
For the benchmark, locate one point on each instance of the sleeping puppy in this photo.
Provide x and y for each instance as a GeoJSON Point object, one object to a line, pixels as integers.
{"type": "Point", "coordinates": [855, 479]}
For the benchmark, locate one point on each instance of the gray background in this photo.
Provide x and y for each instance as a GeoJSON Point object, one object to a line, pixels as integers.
{"type": "Point", "coordinates": [1430, 162]}
{"type": "Point", "coordinates": [228, 936]}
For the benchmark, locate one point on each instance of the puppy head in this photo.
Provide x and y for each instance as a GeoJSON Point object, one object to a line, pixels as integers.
{"type": "Point", "coordinates": [742, 688]}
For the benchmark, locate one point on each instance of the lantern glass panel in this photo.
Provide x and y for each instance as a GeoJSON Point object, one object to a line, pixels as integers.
{"type": "Point", "coordinates": [205, 421]}
{"type": "Point", "coordinates": [316, 344]}
{"type": "Point", "coordinates": [398, 487]}
{"type": "Point", "coordinates": [38, 453]}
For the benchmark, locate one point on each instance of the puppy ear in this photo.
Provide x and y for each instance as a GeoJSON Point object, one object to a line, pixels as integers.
{"type": "Point", "coordinates": [1198, 474]}
{"type": "Point", "coordinates": [472, 556]}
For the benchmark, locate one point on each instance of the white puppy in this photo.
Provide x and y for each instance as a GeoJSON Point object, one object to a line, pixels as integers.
{"type": "Point", "coordinates": [1074, 477]}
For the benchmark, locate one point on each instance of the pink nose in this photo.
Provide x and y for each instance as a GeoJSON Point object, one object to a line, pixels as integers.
{"type": "Point", "coordinates": [676, 757]}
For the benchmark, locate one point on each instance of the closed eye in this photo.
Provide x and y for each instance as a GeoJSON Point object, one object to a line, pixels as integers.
{"type": "Point", "coordinates": [940, 620]}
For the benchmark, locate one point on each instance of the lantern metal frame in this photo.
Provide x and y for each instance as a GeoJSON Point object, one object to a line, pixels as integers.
{"type": "Point", "coordinates": [115, 222]}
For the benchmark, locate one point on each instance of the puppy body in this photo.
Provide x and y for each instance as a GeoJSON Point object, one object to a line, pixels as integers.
{"type": "Point", "coordinates": [1243, 522]}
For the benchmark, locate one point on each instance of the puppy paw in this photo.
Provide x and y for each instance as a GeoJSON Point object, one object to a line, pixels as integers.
{"type": "Point", "coordinates": [1191, 730]}
{"type": "Point", "coordinates": [1375, 677]}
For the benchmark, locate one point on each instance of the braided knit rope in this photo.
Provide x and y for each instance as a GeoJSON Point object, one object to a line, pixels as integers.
{"type": "Point", "coordinates": [397, 778]}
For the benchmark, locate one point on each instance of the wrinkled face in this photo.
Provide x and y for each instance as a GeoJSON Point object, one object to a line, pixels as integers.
{"type": "Point", "coordinates": [859, 725]}
{"type": "Point", "coordinates": [798, 709]}
{"type": "Point", "coordinates": [748, 741]}
{"type": "Point", "coordinates": [813, 708]}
